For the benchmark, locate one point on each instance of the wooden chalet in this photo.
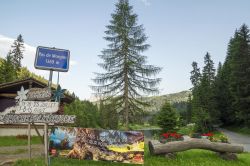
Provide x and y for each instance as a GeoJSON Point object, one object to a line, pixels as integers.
{"type": "Point", "coordinates": [8, 92]}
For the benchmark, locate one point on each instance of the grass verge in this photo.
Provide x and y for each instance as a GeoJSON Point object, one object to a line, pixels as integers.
{"type": "Point", "coordinates": [13, 141]}
{"type": "Point", "coordinates": [17, 151]}
{"type": "Point", "coordinates": [187, 158]}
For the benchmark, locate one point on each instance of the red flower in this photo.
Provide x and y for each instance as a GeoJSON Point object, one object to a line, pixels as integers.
{"type": "Point", "coordinates": [166, 135]}
{"type": "Point", "coordinates": [209, 134]}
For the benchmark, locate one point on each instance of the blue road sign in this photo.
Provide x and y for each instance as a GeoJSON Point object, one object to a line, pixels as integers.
{"type": "Point", "coordinates": [52, 59]}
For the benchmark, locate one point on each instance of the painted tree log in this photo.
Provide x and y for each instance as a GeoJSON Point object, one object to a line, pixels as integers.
{"type": "Point", "coordinates": [155, 147]}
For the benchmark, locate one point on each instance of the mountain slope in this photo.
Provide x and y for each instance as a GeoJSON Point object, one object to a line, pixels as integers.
{"type": "Point", "coordinates": [157, 101]}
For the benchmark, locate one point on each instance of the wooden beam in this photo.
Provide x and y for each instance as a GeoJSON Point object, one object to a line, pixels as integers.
{"type": "Point", "coordinates": [10, 95]}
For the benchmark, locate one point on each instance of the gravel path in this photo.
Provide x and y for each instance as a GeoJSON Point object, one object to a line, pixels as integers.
{"type": "Point", "coordinates": [237, 138]}
{"type": "Point", "coordinates": [9, 154]}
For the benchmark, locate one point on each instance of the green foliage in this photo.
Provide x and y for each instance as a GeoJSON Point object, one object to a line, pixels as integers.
{"type": "Point", "coordinates": [108, 118]}
{"type": "Point", "coordinates": [203, 104]}
{"type": "Point", "coordinates": [12, 63]}
{"type": "Point", "coordinates": [86, 113]}
{"type": "Point", "coordinates": [127, 74]}
{"type": "Point", "coordinates": [7, 70]}
{"type": "Point", "coordinates": [195, 75]}
{"type": "Point", "coordinates": [187, 130]}
{"type": "Point", "coordinates": [240, 80]}
{"type": "Point", "coordinates": [23, 73]}
{"type": "Point", "coordinates": [224, 97]}
{"type": "Point", "coordinates": [17, 52]}
{"type": "Point", "coordinates": [167, 118]}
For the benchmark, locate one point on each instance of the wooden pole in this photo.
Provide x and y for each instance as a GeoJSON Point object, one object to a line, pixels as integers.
{"type": "Point", "coordinates": [39, 135]}
{"type": "Point", "coordinates": [29, 141]}
{"type": "Point", "coordinates": [46, 143]}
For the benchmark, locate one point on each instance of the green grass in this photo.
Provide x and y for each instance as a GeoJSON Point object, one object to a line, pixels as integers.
{"type": "Point", "coordinates": [187, 158]}
{"type": "Point", "coordinates": [17, 151]}
{"type": "Point", "coordinates": [241, 130]}
{"type": "Point", "coordinates": [13, 141]}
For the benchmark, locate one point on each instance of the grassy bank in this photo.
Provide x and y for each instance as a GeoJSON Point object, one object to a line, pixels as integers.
{"type": "Point", "coordinates": [13, 141]}
{"type": "Point", "coordinates": [188, 158]}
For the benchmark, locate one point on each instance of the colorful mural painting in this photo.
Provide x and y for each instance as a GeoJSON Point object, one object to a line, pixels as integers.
{"type": "Point", "coordinates": [96, 144]}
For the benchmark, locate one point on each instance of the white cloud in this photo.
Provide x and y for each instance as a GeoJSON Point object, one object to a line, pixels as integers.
{"type": "Point", "coordinates": [29, 55]}
{"type": "Point", "coordinates": [72, 63]}
{"type": "Point", "coordinates": [146, 2]}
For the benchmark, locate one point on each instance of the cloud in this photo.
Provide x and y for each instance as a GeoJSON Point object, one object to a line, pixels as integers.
{"type": "Point", "coordinates": [29, 55]}
{"type": "Point", "coordinates": [72, 63]}
{"type": "Point", "coordinates": [146, 2]}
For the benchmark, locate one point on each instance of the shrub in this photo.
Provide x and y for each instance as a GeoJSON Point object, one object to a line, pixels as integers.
{"type": "Point", "coordinates": [167, 118]}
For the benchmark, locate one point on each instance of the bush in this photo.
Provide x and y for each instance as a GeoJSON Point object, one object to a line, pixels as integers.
{"type": "Point", "coordinates": [167, 118]}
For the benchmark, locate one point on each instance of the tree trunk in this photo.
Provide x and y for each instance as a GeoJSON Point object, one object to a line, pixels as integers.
{"type": "Point", "coordinates": [126, 93]}
{"type": "Point", "coordinates": [155, 147]}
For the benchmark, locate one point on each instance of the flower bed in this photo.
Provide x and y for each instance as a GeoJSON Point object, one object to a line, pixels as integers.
{"type": "Point", "coordinates": [212, 137]}
{"type": "Point", "coordinates": [169, 137]}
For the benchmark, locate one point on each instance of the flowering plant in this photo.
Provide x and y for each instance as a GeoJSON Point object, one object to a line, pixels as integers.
{"type": "Point", "coordinates": [168, 137]}
{"type": "Point", "coordinates": [209, 134]}
{"type": "Point", "coordinates": [224, 139]}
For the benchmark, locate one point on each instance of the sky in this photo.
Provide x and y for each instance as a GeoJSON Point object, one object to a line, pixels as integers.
{"type": "Point", "coordinates": [179, 32]}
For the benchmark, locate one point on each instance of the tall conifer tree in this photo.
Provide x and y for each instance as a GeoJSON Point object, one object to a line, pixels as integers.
{"type": "Point", "coordinates": [240, 80]}
{"type": "Point", "coordinates": [127, 74]}
{"type": "Point", "coordinates": [17, 52]}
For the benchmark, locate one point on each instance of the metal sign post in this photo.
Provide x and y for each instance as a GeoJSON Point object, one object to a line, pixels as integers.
{"type": "Point", "coordinates": [52, 59]}
{"type": "Point", "coordinates": [46, 144]}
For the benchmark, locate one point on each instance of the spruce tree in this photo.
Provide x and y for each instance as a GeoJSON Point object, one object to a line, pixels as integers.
{"type": "Point", "coordinates": [167, 118]}
{"type": "Point", "coordinates": [204, 114]}
{"type": "Point", "coordinates": [240, 80]}
{"type": "Point", "coordinates": [189, 110]}
{"type": "Point", "coordinates": [108, 115]}
{"type": "Point", "coordinates": [223, 90]}
{"type": "Point", "coordinates": [17, 52]}
{"type": "Point", "coordinates": [127, 75]}
{"type": "Point", "coordinates": [195, 75]}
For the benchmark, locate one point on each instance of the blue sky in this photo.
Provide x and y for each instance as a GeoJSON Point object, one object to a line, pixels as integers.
{"type": "Point", "coordinates": [179, 31]}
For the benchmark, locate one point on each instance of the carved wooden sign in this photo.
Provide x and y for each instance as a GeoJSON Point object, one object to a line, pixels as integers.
{"type": "Point", "coordinates": [42, 118]}
{"type": "Point", "coordinates": [39, 94]}
{"type": "Point", "coordinates": [36, 107]}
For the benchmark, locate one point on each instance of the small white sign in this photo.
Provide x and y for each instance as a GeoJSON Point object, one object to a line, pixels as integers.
{"type": "Point", "coordinates": [36, 107]}
{"type": "Point", "coordinates": [39, 94]}
{"type": "Point", "coordinates": [40, 118]}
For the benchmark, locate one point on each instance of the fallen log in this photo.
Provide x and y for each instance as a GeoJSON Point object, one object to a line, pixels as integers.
{"type": "Point", "coordinates": [155, 147]}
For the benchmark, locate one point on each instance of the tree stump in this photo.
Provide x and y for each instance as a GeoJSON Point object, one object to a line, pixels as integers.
{"type": "Point", "coordinates": [170, 155]}
{"type": "Point", "coordinates": [227, 156]}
